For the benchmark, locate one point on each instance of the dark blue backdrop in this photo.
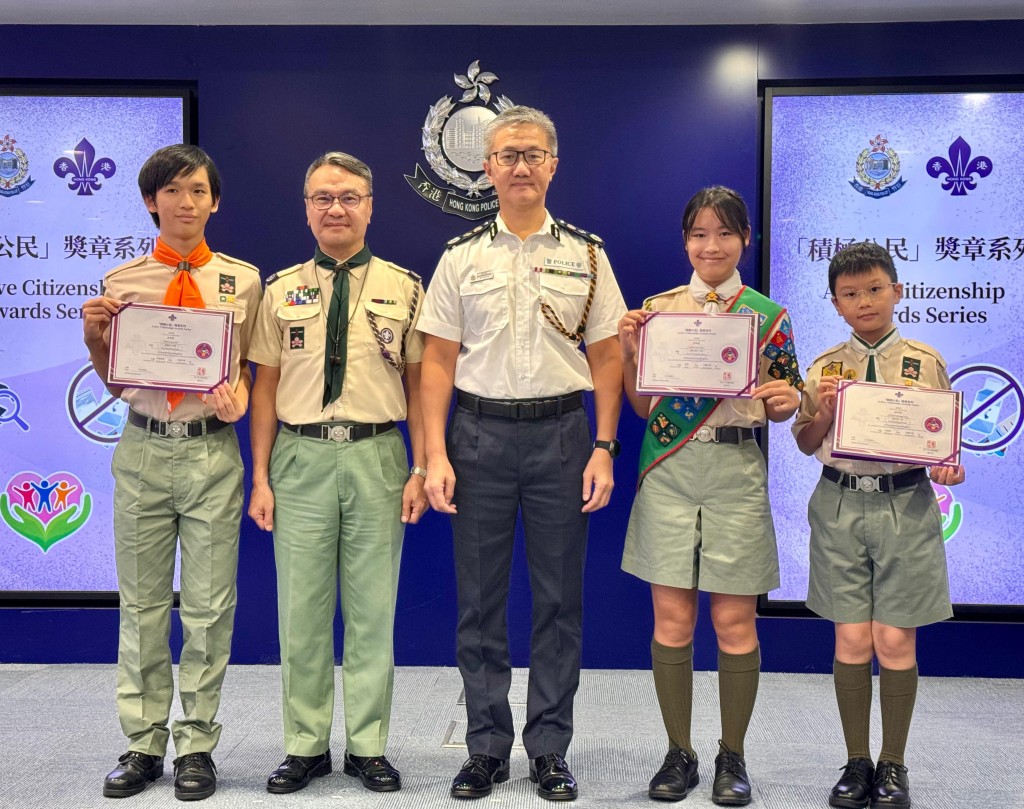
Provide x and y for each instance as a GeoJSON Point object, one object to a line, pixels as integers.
{"type": "Point", "coordinates": [646, 116]}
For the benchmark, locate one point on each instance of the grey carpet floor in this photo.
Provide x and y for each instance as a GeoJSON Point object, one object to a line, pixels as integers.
{"type": "Point", "coordinates": [59, 736]}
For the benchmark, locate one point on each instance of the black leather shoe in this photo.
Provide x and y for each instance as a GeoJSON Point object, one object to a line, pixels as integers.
{"type": "Point", "coordinates": [853, 790]}
{"type": "Point", "coordinates": [195, 777]}
{"type": "Point", "coordinates": [732, 786]}
{"type": "Point", "coordinates": [375, 772]}
{"type": "Point", "coordinates": [478, 775]}
{"type": "Point", "coordinates": [675, 779]}
{"type": "Point", "coordinates": [554, 781]}
{"type": "Point", "coordinates": [131, 775]}
{"type": "Point", "coordinates": [891, 786]}
{"type": "Point", "coordinates": [295, 772]}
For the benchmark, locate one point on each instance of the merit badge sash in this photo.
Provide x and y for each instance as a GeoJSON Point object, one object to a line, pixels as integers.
{"type": "Point", "coordinates": [675, 420]}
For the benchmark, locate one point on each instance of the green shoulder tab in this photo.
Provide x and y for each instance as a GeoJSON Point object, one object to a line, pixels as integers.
{"type": "Point", "coordinates": [593, 238]}
{"type": "Point", "coordinates": [648, 304]}
{"type": "Point", "coordinates": [485, 226]}
{"type": "Point", "coordinates": [281, 274]}
{"type": "Point", "coordinates": [414, 276]}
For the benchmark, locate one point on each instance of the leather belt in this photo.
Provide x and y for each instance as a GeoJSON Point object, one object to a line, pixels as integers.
{"type": "Point", "coordinates": [339, 431]}
{"type": "Point", "coordinates": [875, 483]}
{"type": "Point", "coordinates": [521, 408]}
{"type": "Point", "coordinates": [722, 435]}
{"type": "Point", "coordinates": [177, 429]}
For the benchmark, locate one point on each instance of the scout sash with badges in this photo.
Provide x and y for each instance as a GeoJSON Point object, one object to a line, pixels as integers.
{"type": "Point", "coordinates": [675, 420]}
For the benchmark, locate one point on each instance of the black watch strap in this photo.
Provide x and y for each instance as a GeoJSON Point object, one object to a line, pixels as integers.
{"type": "Point", "coordinates": [613, 447]}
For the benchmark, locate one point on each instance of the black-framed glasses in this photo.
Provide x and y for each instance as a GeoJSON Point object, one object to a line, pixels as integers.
{"type": "Point", "coordinates": [349, 200]}
{"type": "Point", "coordinates": [509, 157]}
{"type": "Point", "coordinates": [872, 293]}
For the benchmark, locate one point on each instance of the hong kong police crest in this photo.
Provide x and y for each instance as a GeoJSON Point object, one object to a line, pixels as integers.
{"type": "Point", "coordinates": [453, 144]}
{"type": "Point", "coordinates": [878, 169]}
{"type": "Point", "coordinates": [13, 168]}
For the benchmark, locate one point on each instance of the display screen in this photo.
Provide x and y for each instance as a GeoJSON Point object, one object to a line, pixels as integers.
{"type": "Point", "coordinates": [70, 210]}
{"type": "Point", "coordinates": [936, 176]}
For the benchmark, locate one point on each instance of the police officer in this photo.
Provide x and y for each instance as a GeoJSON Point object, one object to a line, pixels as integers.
{"type": "Point", "coordinates": [338, 359]}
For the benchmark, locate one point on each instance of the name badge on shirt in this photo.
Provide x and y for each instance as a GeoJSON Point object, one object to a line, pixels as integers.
{"type": "Point", "coordinates": [481, 275]}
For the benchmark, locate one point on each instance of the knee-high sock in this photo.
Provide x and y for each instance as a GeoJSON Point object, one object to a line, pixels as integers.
{"type": "Point", "coordinates": [898, 692]}
{"type": "Point", "coordinates": [673, 682]}
{"type": "Point", "coordinates": [853, 696]}
{"type": "Point", "coordinates": [738, 677]}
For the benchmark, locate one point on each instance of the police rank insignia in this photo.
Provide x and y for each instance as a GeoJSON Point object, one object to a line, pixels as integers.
{"type": "Point", "coordinates": [296, 337]}
{"type": "Point", "coordinates": [832, 369]}
{"type": "Point", "coordinates": [878, 170]}
{"type": "Point", "coordinates": [911, 368]}
{"type": "Point", "coordinates": [453, 141]}
{"type": "Point", "coordinates": [13, 168]}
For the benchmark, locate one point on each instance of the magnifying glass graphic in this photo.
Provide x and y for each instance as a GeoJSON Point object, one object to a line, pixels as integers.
{"type": "Point", "coordinates": [10, 405]}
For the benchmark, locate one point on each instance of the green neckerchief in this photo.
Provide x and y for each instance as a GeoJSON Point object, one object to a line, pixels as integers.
{"type": "Point", "coordinates": [336, 353]}
{"type": "Point", "coordinates": [674, 420]}
{"type": "Point", "coordinates": [870, 374]}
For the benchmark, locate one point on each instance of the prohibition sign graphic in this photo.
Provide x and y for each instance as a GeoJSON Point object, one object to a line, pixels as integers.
{"type": "Point", "coordinates": [1005, 394]}
{"type": "Point", "coordinates": [96, 414]}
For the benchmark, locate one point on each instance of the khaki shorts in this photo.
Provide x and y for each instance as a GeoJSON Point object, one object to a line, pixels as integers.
{"type": "Point", "coordinates": [877, 556]}
{"type": "Point", "coordinates": [702, 519]}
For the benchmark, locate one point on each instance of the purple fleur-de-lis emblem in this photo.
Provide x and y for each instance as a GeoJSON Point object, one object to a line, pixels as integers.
{"type": "Point", "coordinates": [959, 169]}
{"type": "Point", "coordinates": [85, 170]}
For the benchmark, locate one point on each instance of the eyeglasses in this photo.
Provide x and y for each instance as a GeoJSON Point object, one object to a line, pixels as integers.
{"type": "Point", "coordinates": [509, 157]}
{"type": "Point", "coordinates": [348, 200]}
{"type": "Point", "coordinates": [872, 293]}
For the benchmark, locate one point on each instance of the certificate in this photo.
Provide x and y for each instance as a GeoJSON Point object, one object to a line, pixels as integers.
{"type": "Point", "coordinates": [897, 424]}
{"type": "Point", "coordinates": [696, 354]}
{"type": "Point", "coordinates": [169, 347]}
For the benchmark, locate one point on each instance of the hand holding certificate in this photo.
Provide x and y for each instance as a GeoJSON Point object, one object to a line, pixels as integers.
{"type": "Point", "coordinates": [897, 424]}
{"type": "Point", "coordinates": [696, 354]}
{"type": "Point", "coordinates": [169, 347]}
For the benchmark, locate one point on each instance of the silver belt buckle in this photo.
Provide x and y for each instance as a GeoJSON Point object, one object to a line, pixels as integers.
{"type": "Point", "coordinates": [705, 434]}
{"type": "Point", "coordinates": [176, 429]}
{"type": "Point", "coordinates": [340, 433]}
{"type": "Point", "coordinates": [868, 484]}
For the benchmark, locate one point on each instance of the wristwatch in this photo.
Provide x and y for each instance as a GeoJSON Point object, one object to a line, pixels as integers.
{"type": "Point", "coordinates": [418, 470]}
{"type": "Point", "coordinates": [613, 447]}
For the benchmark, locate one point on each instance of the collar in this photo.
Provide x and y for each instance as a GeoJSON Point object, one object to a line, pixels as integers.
{"type": "Point", "coordinates": [170, 257]}
{"type": "Point", "coordinates": [726, 290]}
{"type": "Point", "coordinates": [882, 348]}
{"type": "Point", "coordinates": [356, 264]}
{"type": "Point", "coordinates": [548, 228]}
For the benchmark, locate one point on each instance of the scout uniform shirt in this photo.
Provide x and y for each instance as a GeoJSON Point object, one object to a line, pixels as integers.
{"type": "Point", "coordinates": [225, 283]}
{"type": "Point", "coordinates": [291, 333]}
{"type": "Point", "coordinates": [486, 294]}
{"type": "Point", "coordinates": [730, 412]}
{"type": "Point", "coordinates": [898, 362]}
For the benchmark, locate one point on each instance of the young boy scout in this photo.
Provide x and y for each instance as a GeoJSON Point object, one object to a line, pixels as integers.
{"type": "Point", "coordinates": [877, 562]}
{"type": "Point", "coordinates": [177, 475]}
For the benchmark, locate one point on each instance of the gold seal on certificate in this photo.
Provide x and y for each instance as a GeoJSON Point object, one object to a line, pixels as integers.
{"type": "Point", "coordinates": [897, 424]}
{"type": "Point", "coordinates": [169, 347]}
{"type": "Point", "coordinates": [696, 354]}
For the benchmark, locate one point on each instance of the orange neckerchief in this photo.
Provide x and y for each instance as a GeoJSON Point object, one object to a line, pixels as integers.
{"type": "Point", "coordinates": [182, 291]}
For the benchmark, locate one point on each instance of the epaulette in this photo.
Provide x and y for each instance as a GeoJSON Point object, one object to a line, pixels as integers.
{"type": "Point", "coordinates": [404, 271]}
{"type": "Point", "coordinates": [593, 238]}
{"type": "Point", "coordinates": [281, 274]}
{"type": "Point", "coordinates": [135, 262]}
{"type": "Point", "coordinates": [652, 298]}
{"type": "Point", "coordinates": [924, 348]}
{"type": "Point", "coordinates": [828, 351]}
{"type": "Point", "coordinates": [488, 225]}
{"type": "Point", "coordinates": [233, 260]}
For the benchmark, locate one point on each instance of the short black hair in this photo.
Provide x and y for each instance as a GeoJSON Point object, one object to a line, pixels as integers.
{"type": "Point", "coordinates": [727, 204]}
{"type": "Point", "coordinates": [173, 161]}
{"type": "Point", "coordinates": [860, 258]}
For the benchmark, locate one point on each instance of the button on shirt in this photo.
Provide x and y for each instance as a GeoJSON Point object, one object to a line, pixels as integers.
{"type": "Point", "coordinates": [486, 294]}
{"type": "Point", "coordinates": [225, 283]}
{"type": "Point", "coordinates": [291, 334]}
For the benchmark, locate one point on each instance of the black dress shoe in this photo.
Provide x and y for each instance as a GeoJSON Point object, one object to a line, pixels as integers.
{"type": "Point", "coordinates": [853, 790]}
{"type": "Point", "coordinates": [375, 772]}
{"type": "Point", "coordinates": [675, 779]}
{"type": "Point", "coordinates": [131, 775]}
{"type": "Point", "coordinates": [478, 775]}
{"type": "Point", "coordinates": [891, 786]}
{"type": "Point", "coordinates": [195, 777]}
{"type": "Point", "coordinates": [732, 786]}
{"type": "Point", "coordinates": [295, 772]}
{"type": "Point", "coordinates": [554, 781]}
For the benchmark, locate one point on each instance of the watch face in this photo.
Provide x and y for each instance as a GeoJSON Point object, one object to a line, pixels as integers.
{"type": "Point", "coordinates": [613, 447]}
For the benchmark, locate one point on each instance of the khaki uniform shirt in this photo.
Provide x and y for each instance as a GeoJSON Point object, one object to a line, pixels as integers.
{"type": "Point", "coordinates": [904, 362]}
{"type": "Point", "coordinates": [730, 412]}
{"type": "Point", "coordinates": [291, 334]}
{"type": "Point", "coordinates": [486, 294]}
{"type": "Point", "coordinates": [225, 283]}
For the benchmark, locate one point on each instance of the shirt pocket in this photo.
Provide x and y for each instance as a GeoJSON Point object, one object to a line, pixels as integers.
{"type": "Point", "coordinates": [301, 328]}
{"type": "Point", "coordinates": [566, 296]}
{"type": "Point", "coordinates": [484, 303]}
{"type": "Point", "coordinates": [386, 322]}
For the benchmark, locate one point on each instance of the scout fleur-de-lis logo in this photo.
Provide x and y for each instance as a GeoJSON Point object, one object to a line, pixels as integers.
{"type": "Point", "coordinates": [959, 169]}
{"type": "Point", "coordinates": [84, 169]}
